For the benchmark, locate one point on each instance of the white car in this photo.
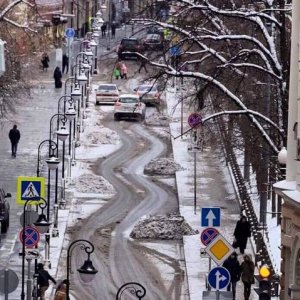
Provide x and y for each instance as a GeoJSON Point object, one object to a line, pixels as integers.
{"type": "Point", "coordinates": [107, 93]}
{"type": "Point", "coordinates": [129, 106]}
{"type": "Point", "coordinates": [148, 93]}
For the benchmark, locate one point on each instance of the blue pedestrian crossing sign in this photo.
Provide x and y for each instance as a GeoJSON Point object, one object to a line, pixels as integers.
{"type": "Point", "coordinates": [218, 278]}
{"type": "Point", "coordinates": [30, 188]}
{"type": "Point", "coordinates": [210, 216]}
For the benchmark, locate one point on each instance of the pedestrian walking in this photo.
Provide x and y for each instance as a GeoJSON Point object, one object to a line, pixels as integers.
{"type": "Point", "coordinates": [14, 136]}
{"type": "Point", "coordinates": [43, 280]}
{"type": "Point", "coordinates": [124, 70]}
{"type": "Point", "coordinates": [113, 29]}
{"type": "Point", "coordinates": [65, 63]}
{"type": "Point", "coordinates": [45, 61]}
{"type": "Point", "coordinates": [143, 64]}
{"type": "Point", "coordinates": [241, 233]}
{"type": "Point", "coordinates": [61, 291]}
{"type": "Point", "coordinates": [57, 77]}
{"type": "Point", "coordinates": [247, 275]}
{"type": "Point", "coordinates": [117, 72]}
{"type": "Point", "coordinates": [103, 29]}
{"type": "Point", "coordinates": [233, 266]}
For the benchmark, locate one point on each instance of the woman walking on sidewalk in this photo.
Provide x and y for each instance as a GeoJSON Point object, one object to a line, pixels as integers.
{"type": "Point", "coordinates": [57, 78]}
{"type": "Point", "coordinates": [247, 275]}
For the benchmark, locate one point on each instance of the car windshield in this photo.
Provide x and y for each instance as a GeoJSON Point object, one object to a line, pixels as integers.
{"type": "Point", "coordinates": [107, 88]}
{"type": "Point", "coordinates": [152, 37]}
{"type": "Point", "coordinates": [147, 88]}
{"type": "Point", "coordinates": [129, 100]}
{"type": "Point", "coordinates": [129, 42]}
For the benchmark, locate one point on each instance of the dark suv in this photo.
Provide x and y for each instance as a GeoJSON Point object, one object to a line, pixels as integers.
{"type": "Point", "coordinates": [129, 45]}
{"type": "Point", "coordinates": [4, 210]}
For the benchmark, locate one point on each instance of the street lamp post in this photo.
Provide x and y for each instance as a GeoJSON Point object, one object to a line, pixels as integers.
{"type": "Point", "coordinates": [87, 269]}
{"type": "Point", "coordinates": [42, 225]}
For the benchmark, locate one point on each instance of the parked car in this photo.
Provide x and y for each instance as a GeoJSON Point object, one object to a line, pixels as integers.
{"type": "Point", "coordinates": [129, 106]}
{"type": "Point", "coordinates": [129, 45]}
{"type": "Point", "coordinates": [4, 210]}
{"type": "Point", "coordinates": [154, 41]}
{"type": "Point", "coordinates": [148, 93]}
{"type": "Point", "coordinates": [107, 93]}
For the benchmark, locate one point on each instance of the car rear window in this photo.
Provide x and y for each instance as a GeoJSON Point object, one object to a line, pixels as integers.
{"type": "Point", "coordinates": [147, 88]}
{"type": "Point", "coordinates": [107, 88]}
{"type": "Point", "coordinates": [129, 42]}
{"type": "Point", "coordinates": [129, 100]}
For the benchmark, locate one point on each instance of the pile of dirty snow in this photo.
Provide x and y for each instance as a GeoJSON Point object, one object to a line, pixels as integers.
{"type": "Point", "coordinates": [104, 136]}
{"type": "Point", "coordinates": [167, 227]}
{"type": "Point", "coordinates": [157, 119]}
{"type": "Point", "coordinates": [91, 183]}
{"type": "Point", "coordinates": [162, 166]}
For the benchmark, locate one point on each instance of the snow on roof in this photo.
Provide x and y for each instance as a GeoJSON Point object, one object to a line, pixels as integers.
{"type": "Point", "coordinates": [285, 185]}
{"type": "Point", "coordinates": [49, 2]}
{"type": "Point", "coordinates": [293, 195]}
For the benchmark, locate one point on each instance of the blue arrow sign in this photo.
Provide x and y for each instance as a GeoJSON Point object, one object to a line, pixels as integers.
{"type": "Point", "coordinates": [218, 278]}
{"type": "Point", "coordinates": [210, 216]}
{"type": "Point", "coordinates": [70, 33]}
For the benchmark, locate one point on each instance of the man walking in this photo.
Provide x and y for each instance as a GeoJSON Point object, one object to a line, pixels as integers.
{"type": "Point", "coordinates": [113, 29]}
{"type": "Point", "coordinates": [43, 280]}
{"type": "Point", "coordinates": [14, 136]}
{"type": "Point", "coordinates": [143, 64]}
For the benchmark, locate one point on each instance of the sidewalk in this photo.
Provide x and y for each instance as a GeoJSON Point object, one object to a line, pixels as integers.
{"type": "Point", "coordinates": [213, 188]}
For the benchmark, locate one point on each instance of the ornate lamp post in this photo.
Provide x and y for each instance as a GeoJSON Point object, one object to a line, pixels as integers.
{"type": "Point", "coordinates": [132, 288]}
{"type": "Point", "coordinates": [87, 269]}
{"type": "Point", "coordinates": [42, 225]}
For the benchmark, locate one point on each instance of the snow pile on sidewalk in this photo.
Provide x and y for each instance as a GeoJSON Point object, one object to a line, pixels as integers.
{"type": "Point", "coordinates": [157, 119]}
{"type": "Point", "coordinates": [162, 166]}
{"type": "Point", "coordinates": [168, 227]}
{"type": "Point", "coordinates": [91, 183]}
{"type": "Point", "coordinates": [103, 136]}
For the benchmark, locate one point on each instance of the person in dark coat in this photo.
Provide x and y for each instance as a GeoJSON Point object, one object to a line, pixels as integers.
{"type": "Point", "coordinates": [57, 77]}
{"type": "Point", "coordinates": [247, 275]}
{"type": "Point", "coordinates": [143, 64]}
{"type": "Point", "coordinates": [113, 29]}
{"type": "Point", "coordinates": [14, 136]}
{"type": "Point", "coordinates": [233, 266]}
{"type": "Point", "coordinates": [103, 29]}
{"type": "Point", "coordinates": [241, 233]}
{"type": "Point", "coordinates": [43, 280]}
{"type": "Point", "coordinates": [45, 61]}
{"type": "Point", "coordinates": [65, 63]}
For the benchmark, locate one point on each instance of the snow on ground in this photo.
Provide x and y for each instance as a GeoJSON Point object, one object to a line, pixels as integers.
{"type": "Point", "coordinates": [162, 166]}
{"type": "Point", "coordinates": [169, 227]}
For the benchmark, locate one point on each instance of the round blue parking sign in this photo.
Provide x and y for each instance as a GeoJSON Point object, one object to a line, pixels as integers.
{"type": "Point", "coordinates": [32, 236]}
{"type": "Point", "coordinates": [208, 235]}
{"type": "Point", "coordinates": [70, 33]}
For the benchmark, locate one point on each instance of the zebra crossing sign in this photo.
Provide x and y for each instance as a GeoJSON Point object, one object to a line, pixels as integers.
{"type": "Point", "coordinates": [30, 188]}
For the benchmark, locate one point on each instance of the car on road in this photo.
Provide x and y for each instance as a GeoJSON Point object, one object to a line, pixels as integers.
{"type": "Point", "coordinates": [4, 210]}
{"type": "Point", "coordinates": [154, 41]}
{"type": "Point", "coordinates": [148, 93]}
{"type": "Point", "coordinates": [107, 93]}
{"type": "Point", "coordinates": [129, 106]}
{"type": "Point", "coordinates": [129, 45]}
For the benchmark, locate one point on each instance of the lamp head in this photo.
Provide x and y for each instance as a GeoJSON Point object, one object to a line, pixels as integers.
{"type": "Point", "coordinates": [282, 156]}
{"type": "Point", "coordinates": [87, 271]}
{"type": "Point", "coordinates": [52, 162]}
{"type": "Point", "coordinates": [70, 113]}
{"type": "Point", "coordinates": [62, 133]}
{"type": "Point", "coordinates": [42, 223]}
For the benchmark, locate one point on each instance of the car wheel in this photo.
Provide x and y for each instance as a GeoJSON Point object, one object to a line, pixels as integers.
{"type": "Point", "coordinates": [116, 117]}
{"type": "Point", "coordinates": [4, 226]}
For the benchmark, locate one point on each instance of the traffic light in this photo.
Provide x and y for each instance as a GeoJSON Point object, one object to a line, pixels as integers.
{"type": "Point", "coordinates": [264, 283]}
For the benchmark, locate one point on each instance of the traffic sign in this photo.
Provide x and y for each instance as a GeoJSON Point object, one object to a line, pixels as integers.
{"type": "Point", "coordinates": [210, 216]}
{"type": "Point", "coordinates": [208, 235]}
{"type": "Point", "coordinates": [9, 281]}
{"type": "Point", "coordinates": [69, 33]}
{"type": "Point", "coordinates": [30, 188]}
{"type": "Point", "coordinates": [32, 253]}
{"type": "Point", "coordinates": [218, 278]}
{"type": "Point", "coordinates": [195, 120]}
{"type": "Point", "coordinates": [219, 249]}
{"type": "Point", "coordinates": [175, 50]}
{"type": "Point", "coordinates": [32, 236]}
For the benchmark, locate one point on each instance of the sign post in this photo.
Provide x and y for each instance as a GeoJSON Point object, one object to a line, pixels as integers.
{"type": "Point", "coordinates": [69, 34]}
{"type": "Point", "coordinates": [218, 278]}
